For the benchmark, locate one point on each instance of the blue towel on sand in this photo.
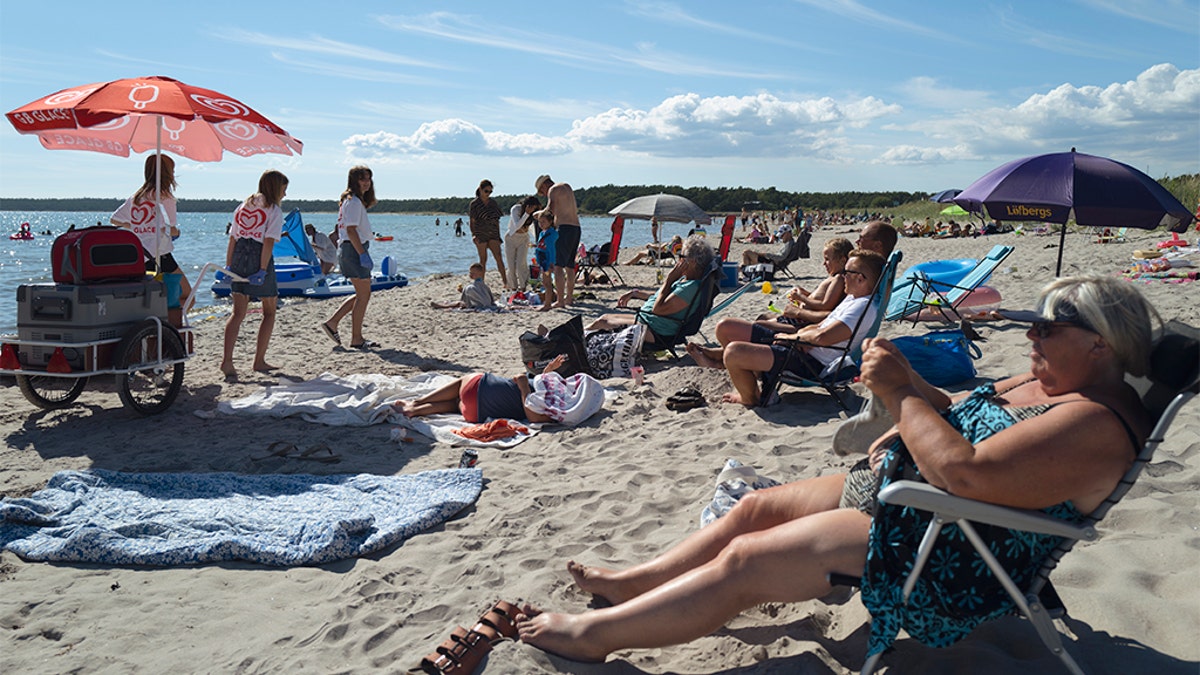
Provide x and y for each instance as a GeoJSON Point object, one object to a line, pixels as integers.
{"type": "Point", "coordinates": [115, 518]}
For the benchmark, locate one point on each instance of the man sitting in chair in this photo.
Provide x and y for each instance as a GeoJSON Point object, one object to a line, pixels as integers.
{"type": "Point", "coordinates": [664, 310]}
{"type": "Point", "coordinates": [787, 252]}
{"type": "Point", "coordinates": [817, 345]}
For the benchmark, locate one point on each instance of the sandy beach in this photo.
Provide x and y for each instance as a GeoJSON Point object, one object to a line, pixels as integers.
{"type": "Point", "coordinates": [619, 488]}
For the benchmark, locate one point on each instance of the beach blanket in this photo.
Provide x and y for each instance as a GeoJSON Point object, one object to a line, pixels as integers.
{"type": "Point", "coordinates": [360, 400]}
{"type": "Point", "coordinates": [114, 518]}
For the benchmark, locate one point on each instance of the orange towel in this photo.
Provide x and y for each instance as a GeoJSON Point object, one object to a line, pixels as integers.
{"type": "Point", "coordinates": [491, 431]}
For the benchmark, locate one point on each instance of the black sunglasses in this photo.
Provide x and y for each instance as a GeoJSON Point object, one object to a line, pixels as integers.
{"type": "Point", "coordinates": [1044, 329]}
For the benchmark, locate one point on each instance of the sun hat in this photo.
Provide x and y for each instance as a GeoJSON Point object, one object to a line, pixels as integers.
{"type": "Point", "coordinates": [537, 184]}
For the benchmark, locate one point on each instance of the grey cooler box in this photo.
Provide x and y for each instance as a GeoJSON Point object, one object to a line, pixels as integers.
{"type": "Point", "coordinates": [70, 314]}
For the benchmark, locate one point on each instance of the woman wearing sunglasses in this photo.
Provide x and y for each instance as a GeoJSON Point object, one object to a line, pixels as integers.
{"type": "Point", "coordinates": [1056, 439]}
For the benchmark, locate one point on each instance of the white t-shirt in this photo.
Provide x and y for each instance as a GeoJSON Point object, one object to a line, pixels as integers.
{"type": "Point", "coordinates": [353, 213]}
{"type": "Point", "coordinates": [516, 219]}
{"type": "Point", "coordinates": [254, 220]}
{"type": "Point", "coordinates": [325, 249]}
{"type": "Point", "coordinates": [847, 312]}
{"type": "Point", "coordinates": [142, 218]}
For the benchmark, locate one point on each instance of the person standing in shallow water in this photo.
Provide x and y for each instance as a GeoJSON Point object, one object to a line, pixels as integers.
{"type": "Point", "coordinates": [560, 200]}
{"type": "Point", "coordinates": [354, 260]}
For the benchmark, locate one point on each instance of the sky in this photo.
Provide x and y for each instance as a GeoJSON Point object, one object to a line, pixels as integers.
{"type": "Point", "coordinates": [801, 95]}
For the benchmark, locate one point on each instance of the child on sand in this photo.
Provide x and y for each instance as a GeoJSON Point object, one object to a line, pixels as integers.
{"type": "Point", "coordinates": [476, 295]}
{"type": "Point", "coordinates": [257, 225]}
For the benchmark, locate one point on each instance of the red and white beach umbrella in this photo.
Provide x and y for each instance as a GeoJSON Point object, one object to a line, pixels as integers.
{"type": "Point", "coordinates": [151, 113]}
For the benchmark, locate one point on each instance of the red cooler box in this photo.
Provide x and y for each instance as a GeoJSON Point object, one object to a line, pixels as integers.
{"type": "Point", "coordinates": [86, 313]}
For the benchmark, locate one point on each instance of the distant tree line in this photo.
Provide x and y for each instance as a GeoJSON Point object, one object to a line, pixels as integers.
{"type": "Point", "coordinates": [592, 200]}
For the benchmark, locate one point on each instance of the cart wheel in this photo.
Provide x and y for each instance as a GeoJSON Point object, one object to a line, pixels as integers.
{"type": "Point", "coordinates": [51, 393]}
{"type": "Point", "coordinates": [150, 389]}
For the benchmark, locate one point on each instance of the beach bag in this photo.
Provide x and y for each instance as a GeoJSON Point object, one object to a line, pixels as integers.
{"type": "Point", "coordinates": [92, 254]}
{"type": "Point", "coordinates": [943, 357]}
{"type": "Point", "coordinates": [538, 350]}
{"type": "Point", "coordinates": [247, 256]}
{"type": "Point", "coordinates": [614, 353]}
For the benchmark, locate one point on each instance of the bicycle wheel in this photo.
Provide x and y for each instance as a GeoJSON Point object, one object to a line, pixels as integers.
{"type": "Point", "coordinates": [51, 393]}
{"type": "Point", "coordinates": [149, 387]}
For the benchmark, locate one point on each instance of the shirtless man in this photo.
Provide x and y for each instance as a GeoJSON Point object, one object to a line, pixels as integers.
{"type": "Point", "coordinates": [560, 200]}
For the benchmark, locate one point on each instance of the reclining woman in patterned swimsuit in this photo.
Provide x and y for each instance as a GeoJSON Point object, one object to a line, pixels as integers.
{"type": "Point", "coordinates": [1057, 438]}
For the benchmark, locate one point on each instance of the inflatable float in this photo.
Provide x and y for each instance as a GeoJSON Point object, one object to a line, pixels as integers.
{"type": "Point", "coordinates": [982, 300]}
{"type": "Point", "coordinates": [22, 234]}
{"type": "Point", "coordinates": [1173, 242]}
{"type": "Point", "coordinates": [383, 237]}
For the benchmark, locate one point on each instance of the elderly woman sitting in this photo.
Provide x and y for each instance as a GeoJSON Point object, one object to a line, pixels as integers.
{"type": "Point", "coordinates": [664, 310]}
{"type": "Point", "coordinates": [1057, 438]}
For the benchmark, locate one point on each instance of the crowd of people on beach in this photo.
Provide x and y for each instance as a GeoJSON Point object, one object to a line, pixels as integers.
{"type": "Point", "coordinates": [1055, 439]}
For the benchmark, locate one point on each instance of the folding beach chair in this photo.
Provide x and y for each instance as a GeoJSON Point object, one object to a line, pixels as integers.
{"type": "Point", "coordinates": [838, 375]}
{"type": "Point", "coordinates": [1107, 236]}
{"type": "Point", "coordinates": [1172, 382]}
{"type": "Point", "coordinates": [606, 260]}
{"type": "Point", "coordinates": [697, 311]}
{"type": "Point", "coordinates": [908, 300]}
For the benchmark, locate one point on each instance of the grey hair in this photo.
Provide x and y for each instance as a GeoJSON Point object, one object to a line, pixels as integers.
{"type": "Point", "coordinates": [1113, 308]}
{"type": "Point", "coordinates": [698, 249]}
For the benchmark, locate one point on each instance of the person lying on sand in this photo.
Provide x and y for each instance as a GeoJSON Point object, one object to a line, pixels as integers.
{"type": "Point", "coordinates": [1057, 439]}
{"type": "Point", "coordinates": [481, 396]}
{"type": "Point", "coordinates": [820, 345]}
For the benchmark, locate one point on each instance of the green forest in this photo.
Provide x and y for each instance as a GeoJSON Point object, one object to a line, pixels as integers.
{"type": "Point", "coordinates": [592, 200]}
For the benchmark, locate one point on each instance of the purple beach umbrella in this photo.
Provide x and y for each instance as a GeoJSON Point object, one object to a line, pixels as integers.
{"type": "Point", "coordinates": [1093, 191]}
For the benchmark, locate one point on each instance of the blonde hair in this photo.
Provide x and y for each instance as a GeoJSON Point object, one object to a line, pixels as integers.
{"type": "Point", "coordinates": [1114, 309]}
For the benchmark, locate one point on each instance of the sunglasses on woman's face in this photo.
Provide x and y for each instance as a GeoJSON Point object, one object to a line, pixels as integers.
{"type": "Point", "coordinates": [1044, 329]}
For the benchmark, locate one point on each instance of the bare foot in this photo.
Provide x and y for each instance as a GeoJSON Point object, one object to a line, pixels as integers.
{"type": "Point", "coordinates": [734, 397]}
{"type": "Point", "coordinates": [559, 634]}
{"type": "Point", "coordinates": [404, 407]}
{"type": "Point", "coordinates": [229, 370]}
{"type": "Point", "coordinates": [546, 307]}
{"type": "Point", "coordinates": [701, 357]}
{"type": "Point", "coordinates": [264, 367]}
{"type": "Point", "coordinates": [600, 582]}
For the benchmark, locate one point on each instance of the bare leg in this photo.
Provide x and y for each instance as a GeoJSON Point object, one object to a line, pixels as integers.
{"type": "Point", "coordinates": [233, 326]}
{"type": "Point", "coordinates": [560, 281]}
{"type": "Point", "coordinates": [441, 400]}
{"type": "Point", "coordinates": [481, 248]}
{"type": "Point", "coordinates": [343, 309]}
{"type": "Point", "coordinates": [731, 329]}
{"type": "Point", "coordinates": [362, 296]}
{"type": "Point", "coordinates": [777, 326]}
{"type": "Point", "coordinates": [707, 357]}
{"type": "Point", "coordinates": [757, 511]}
{"type": "Point", "coordinates": [568, 298]}
{"type": "Point", "coordinates": [786, 563]}
{"type": "Point", "coordinates": [264, 334]}
{"type": "Point", "coordinates": [745, 361]}
{"type": "Point", "coordinates": [612, 322]}
{"type": "Point", "coordinates": [494, 246]}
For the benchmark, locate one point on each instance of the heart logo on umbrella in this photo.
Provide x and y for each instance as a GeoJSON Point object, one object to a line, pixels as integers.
{"type": "Point", "coordinates": [69, 96]}
{"type": "Point", "coordinates": [222, 105]}
{"type": "Point", "coordinates": [142, 213]}
{"type": "Point", "coordinates": [237, 130]}
{"type": "Point", "coordinates": [250, 220]}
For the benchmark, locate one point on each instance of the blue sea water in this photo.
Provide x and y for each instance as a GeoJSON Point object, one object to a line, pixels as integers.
{"type": "Point", "coordinates": [420, 247]}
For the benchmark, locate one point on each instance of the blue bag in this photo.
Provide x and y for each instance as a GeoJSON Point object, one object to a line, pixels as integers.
{"type": "Point", "coordinates": [943, 357]}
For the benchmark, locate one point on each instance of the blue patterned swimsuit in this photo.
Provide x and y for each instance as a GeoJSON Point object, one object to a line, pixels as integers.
{"type": "Point", "coordinates": [956, 591]}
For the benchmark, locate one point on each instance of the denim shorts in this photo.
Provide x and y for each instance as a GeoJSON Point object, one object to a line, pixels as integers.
{"type": "Point", "coordinates": [348, 261]}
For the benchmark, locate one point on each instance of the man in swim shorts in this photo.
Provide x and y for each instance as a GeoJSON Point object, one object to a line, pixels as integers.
{"type": "Point", "coordinates": [560, 200]}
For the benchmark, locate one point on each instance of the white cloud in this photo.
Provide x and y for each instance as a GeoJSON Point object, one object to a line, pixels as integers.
{"type": "Point", "coordinates": [453, 136]}
{"type": "Point", "coordinates": [692, 126]}
{"type": "Point", "coordinates": [911, 154]}
{"type": "Point", "coordinates": [1152, 116]}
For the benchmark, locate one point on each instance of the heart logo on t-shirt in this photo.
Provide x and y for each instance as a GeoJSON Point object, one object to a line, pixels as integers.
{"type": "Point", "coordinates": [250, 220]}
{"type": "Point", "coordinates": [141, 213]}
